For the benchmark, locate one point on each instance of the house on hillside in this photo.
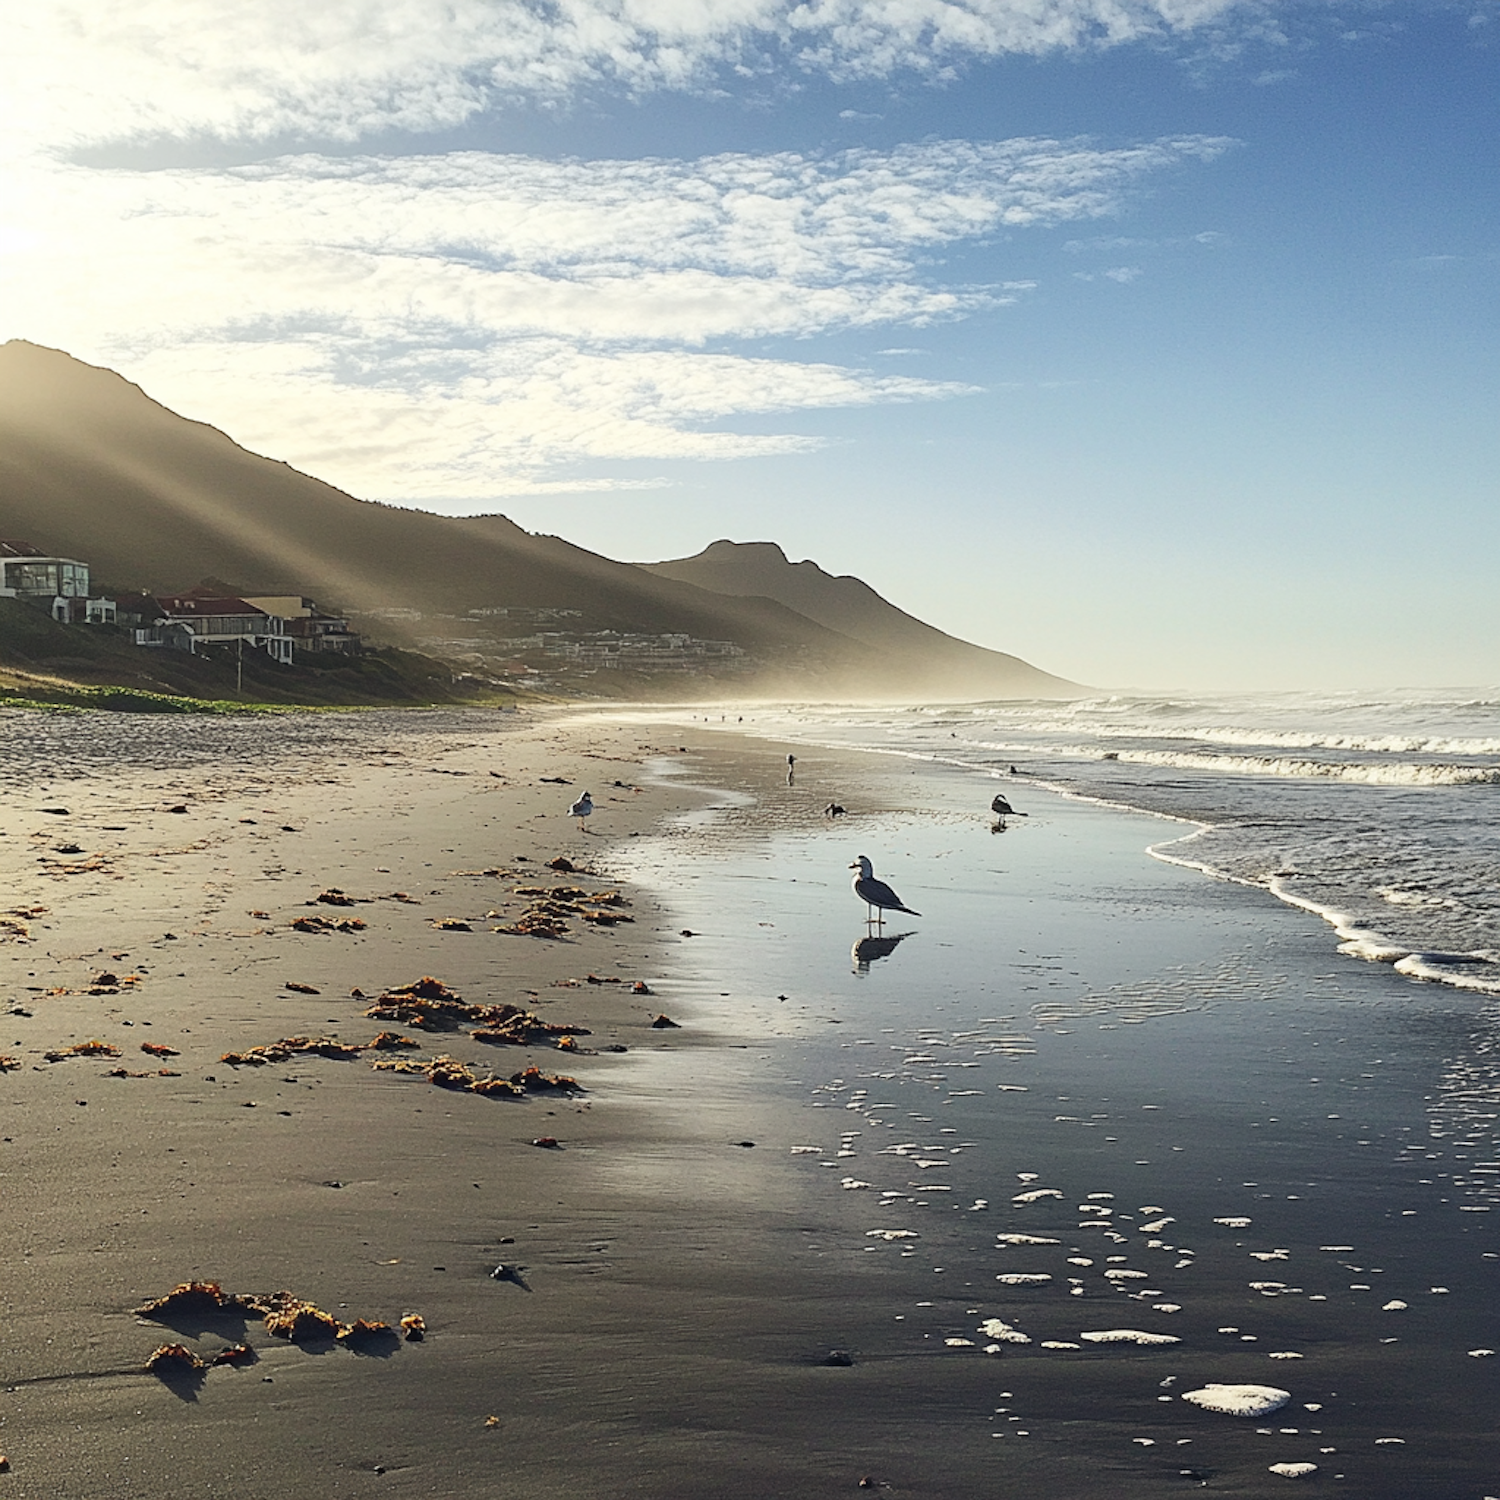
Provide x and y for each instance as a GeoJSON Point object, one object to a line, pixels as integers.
{"type": "Point", "coordinates": [189, 622]}
{"type": "Point", "coordinates": [309, 627]}
{"type": "Point", "coordinates": [60, 584]}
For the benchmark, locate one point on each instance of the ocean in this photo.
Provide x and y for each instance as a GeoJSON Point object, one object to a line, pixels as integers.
{"type": "Point", "coordinates": [1381, 814]}
{"type": "Point", "coordinates": [1097, 1132]}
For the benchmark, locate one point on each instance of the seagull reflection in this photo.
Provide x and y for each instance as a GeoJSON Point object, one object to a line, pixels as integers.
{"type": "Point", "coordinates": [871, 949]}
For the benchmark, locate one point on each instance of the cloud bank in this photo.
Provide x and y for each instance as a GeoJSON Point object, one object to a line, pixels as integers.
{"type": "Point", "coordinates": [83, 72]}
{"type": "Point", "coordinates": [463, 326]}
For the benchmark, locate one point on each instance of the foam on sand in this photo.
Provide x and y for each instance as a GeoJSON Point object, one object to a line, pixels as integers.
{"type": "Point", "coordinates": [1026, 1239]}
{"type": "Point", "coordinates": [1128, 1336]}
{"type": "Point", "coordinates": [1239, 1400]}
{"type": "Point", "coordinates": [1036, 1195]}
{"type": "Point", "coordinates": [1023, 1278]}
{"type": "Point", "coordinates": [1294, 1471]}
{"type": "Point", "coordinates": [1002, 1332]}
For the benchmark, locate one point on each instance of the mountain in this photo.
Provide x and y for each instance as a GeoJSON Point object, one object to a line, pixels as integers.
{"type": "Point", "coordinates": [91, 467]}
{"type": "Point", "coordinates": [851, 607]}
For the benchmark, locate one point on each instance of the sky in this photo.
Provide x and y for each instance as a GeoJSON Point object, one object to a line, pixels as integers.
{"type": "Point", "coordinates": [1154, 341]}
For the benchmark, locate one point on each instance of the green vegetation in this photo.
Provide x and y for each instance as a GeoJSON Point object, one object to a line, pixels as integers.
{"type": "Point", "coordinates": [68, 697]}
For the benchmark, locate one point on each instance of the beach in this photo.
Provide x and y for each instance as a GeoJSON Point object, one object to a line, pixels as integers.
{"type": "Point", "coordinates": [761, 1257]}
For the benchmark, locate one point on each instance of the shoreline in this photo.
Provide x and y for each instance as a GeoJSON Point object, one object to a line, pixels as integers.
{"type": "Point", "coordinates": [1357, 937]}
{"type": "Point", "coordinates": [677, 1292]}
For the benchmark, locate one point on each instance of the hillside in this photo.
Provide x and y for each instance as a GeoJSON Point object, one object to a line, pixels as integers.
{"type": "Point", "coordinates": [853, 608]}
{"type": "Point", "coordinates": [41, 660]}
{"type": "Point", "coordinates": [92, 467]}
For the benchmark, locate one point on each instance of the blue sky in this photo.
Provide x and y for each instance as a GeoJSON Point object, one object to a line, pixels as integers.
{"type": "Point", "coordinates": [1156, 343]}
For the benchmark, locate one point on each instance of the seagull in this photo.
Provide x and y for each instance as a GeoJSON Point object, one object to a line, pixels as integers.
{"type": "Point", "coordinates": [582, 809]}
{"type": "Point", "coordinates": [1002, 809]}
{"type": "Point", "coordinates": [876, 894]}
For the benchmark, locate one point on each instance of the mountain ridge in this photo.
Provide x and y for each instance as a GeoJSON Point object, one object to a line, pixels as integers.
{"type": "Point", "coordinates": [92, 466]}
{"type": "Point", "coordinates": [846, 604]}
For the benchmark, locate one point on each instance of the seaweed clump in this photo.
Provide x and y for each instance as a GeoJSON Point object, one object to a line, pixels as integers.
{"type": "Point", "coordinates": [290, 1317]}
{"type": "Point", "coordinates": [285, 1315]}
{"type": "Point", "coordinates": [94, 1048]}
{"type": "Point", "coordinates": [430, 1005]}
{"type": "Point", "coordinates": [174, 1359]}
{"type": "Point", "coordinates": [449, 1073]}
{"type": "Point", "coordinates": [551, 906]}
{"type": "Point", "coordinates": [328, 924]}
{"type": "Point", "coordinates": [365, 1335]}
{"type": "Point", "coordinates": [320, 1046]}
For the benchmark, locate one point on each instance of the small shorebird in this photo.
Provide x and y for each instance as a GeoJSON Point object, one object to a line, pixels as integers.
{"type": "Point", "coordinates": [878, 897]}
{"type": "Point", "coordinates": [833, 810]}
{"type": "Point", "coordinates": [1002, 809]}
{"type": "Point", "coordinates": [582, 809]}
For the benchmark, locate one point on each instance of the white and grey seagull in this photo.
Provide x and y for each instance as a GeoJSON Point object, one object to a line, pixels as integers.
{"type": "Point", "coordinates": [878, 897]}
{"type": "Point", "coordinates": [582, 809]}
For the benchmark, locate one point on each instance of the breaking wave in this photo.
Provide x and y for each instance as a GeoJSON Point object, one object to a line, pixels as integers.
{"type": "Point", "coordinates": [1375, 813]}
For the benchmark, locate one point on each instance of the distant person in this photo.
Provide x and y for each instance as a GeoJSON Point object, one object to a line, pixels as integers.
{"type": "Point", "coordinates": [791, 770]}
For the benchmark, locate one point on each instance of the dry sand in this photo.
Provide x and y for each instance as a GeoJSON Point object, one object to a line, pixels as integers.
{"type": "Point", "coordinates": [664, 1332]}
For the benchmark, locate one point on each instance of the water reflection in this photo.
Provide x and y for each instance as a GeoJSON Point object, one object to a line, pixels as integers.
{"type": "Point", "coordinates": [872, 947]}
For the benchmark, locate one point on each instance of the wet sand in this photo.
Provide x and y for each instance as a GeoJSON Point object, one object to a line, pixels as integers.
{"type": "Point", "coordinates": [677, 1290]}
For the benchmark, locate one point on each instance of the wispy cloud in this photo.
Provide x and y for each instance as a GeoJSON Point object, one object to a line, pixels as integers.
{"type": "Point", "coordinates": [76, 72]}
{"type": "Point", "coordinates": [462, 326]}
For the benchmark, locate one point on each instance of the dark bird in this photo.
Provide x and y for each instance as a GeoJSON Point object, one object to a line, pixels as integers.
{"type": "Point", "coordinates": [876, 894]}
{"type": "Point", "coordinates": [1002, 809]}
{"type": "Point", "coordinates": [833, 810]}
